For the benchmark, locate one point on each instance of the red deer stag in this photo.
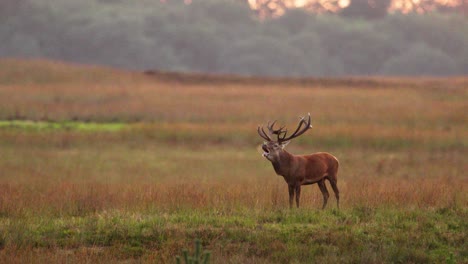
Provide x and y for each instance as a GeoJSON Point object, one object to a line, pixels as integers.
{"type": "Point", "coordinates": [299, 170]}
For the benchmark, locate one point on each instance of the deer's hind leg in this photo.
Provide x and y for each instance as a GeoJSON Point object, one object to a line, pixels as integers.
{"type": "Point", "coordinates": [324, 191]}
{"type": "Point", "coordinates": [335, 190]}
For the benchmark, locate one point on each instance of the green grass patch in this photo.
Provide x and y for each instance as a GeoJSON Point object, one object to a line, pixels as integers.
{"type": "Point", "coordinates": [26, 125]}
{"type": "Point", "coordinates": [277, 236]}
{"type": "Point", "coordinates": [164, 132]}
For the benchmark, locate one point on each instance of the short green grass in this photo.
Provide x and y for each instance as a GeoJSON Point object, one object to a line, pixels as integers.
{"type": "Point", "coordinates": [360, 234]}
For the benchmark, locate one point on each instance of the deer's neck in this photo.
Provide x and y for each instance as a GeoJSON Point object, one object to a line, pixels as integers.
{"type": "Point", "coordinates": [283, 165]}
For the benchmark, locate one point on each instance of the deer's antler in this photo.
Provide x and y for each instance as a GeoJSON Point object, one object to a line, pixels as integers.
{"type": "Point", "coordinates": [263, 134]}
{"type": "Point", "coordinates": [281, 132]}
{"type": "Point", "coordinates": [301, 129]}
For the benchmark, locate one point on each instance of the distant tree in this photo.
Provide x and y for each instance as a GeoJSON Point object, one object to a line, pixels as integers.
{"type": "Point", "coordinates": [314, 55]}
{"type": "Point", "coordinates": [355, 43]}
{"type": "Point", "coordinates": [263, 56]}
{"type": "Point", "coordinates": [367, 9]}
{"type": "Point", "coordinates": [19, 45]}
{"type": "Point", "coordinates": [10, 7]}
{"type": "Point", "coordinates": [197, 46]}
{"type": "Point", "coordinates": [463, 62]}
{"type": "Point", "coordinates": [225, 36]}
{"type": "Point", "coordinates": [110, 1]}
{"type": "Point", "coordinates": [228, 19]}
{"type": "Point", "coordinates": [227, 12]}
{"type": "Point", "coordinates": [293, 21]}
{"type": "Point", "coordinates": [448, 33]}
{"type": "Point", "coordinates": [420, 60]}
{"type": "Point", "coordinates": [464, 8]}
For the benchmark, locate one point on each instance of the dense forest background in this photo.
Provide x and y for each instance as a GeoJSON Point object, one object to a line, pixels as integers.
{"type": "Point", "coordinates": [229, 37]}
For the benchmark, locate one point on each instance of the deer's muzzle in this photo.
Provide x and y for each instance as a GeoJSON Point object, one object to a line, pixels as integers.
{"type": "Point", "coordinates": [266, 150]}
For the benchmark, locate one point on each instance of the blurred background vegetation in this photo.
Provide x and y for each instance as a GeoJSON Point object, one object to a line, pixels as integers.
{"type": "Point", "coordinates": [256, 38]}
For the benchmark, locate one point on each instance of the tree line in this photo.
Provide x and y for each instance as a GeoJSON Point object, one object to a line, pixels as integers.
{"type": "Point", "coordinates": [227, 37]}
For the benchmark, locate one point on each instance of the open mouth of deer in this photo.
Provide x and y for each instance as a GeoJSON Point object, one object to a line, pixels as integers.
{"type": "Point", "coordinates": [266, 151]}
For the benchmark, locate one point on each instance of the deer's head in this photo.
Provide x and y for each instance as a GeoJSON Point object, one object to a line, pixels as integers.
{"type": "Point", "coordinates": [274, 147]}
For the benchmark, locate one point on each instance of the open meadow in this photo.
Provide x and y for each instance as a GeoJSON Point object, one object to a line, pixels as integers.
{"type": "Point", "coordinates": [130, 167]}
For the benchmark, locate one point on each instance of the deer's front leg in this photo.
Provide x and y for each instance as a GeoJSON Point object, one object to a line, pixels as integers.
{"type": "Point", "coordinates": [298, 195]}
{"type": "Point", "coordinates": [291, 195]}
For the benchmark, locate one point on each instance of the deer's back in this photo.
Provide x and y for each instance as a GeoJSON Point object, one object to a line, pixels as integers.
{"type": "Point", "coordinates": [321, 164]}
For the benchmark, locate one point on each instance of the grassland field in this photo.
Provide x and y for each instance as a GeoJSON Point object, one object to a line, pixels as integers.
{"type": "Point", "coordinates": [100, 165]}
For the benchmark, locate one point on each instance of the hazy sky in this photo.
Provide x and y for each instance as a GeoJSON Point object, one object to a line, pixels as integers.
{"type": "Point", "coordinates": [403, 6]}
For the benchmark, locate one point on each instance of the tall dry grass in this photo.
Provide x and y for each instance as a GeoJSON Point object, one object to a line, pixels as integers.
{"type": "Point", "coordinates": [73, 199]}
{"type": "Point", "coordinates": [77, 173]}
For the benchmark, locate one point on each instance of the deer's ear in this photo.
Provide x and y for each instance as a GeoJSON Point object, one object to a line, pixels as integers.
{"type": "Point", "coordinates": [285, 143]}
